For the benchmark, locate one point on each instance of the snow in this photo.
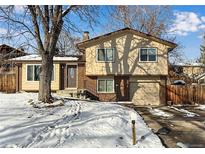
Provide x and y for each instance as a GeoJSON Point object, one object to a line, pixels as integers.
{"type": "Point", "coordinates": [187, 113]}
{"type": "Point", "coordinates": [76, 124]}
{"type": "Point", "coordinates": [181, 82]}
{"type": "Point", "coordinates": [189, 64]}
{"type": "Point", "coordinates": [182, 145]}
{"type": "Point", "coordinates": [201, 107]}
{"type": "Point", "coordinates": [38, 58]}
{"type": "Point", "coordinates": [122, 102]}
{"type": "Point", "coordinates": [158, 112]}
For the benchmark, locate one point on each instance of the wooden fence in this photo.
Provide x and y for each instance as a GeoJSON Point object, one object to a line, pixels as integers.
{"type": "Point", "coordinates": [186, 94]}
{"type": "Point", "coordinates": [8, 83]}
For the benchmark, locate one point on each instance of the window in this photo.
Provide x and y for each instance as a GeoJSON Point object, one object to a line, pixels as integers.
{"type": "Point", "coordinates": [106, 54]}
{"type": "Point", "coordinates": [33, 73]}
{"type": "Point", "coordinates": [105, 85]}
{"type": "Point", "coordinates": [109, 55]}
{"type": "Point", "coordinates": [101, 54]}
{"type": "Point", "coordinates": [148, 54]}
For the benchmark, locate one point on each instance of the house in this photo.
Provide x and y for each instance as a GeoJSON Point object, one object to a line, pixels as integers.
{"type": "Point", "coordinates": [176, 73]}
{"type": "Point", "coordinates": [189, 69]}
{"type": "Point", "coordinates": [188, 72]}
{"type": "Point", "coordinates": [8, 52]}
{"type": "Point", "coordinates": [124, 65]}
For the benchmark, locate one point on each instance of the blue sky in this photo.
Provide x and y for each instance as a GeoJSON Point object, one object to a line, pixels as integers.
{"type": "Point", "coordinates": [192, 38]}
{"type": "Point", "coordinates": [188, 27]}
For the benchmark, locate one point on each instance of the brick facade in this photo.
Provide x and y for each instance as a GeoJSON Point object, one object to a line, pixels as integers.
{"type": "Point", "coordinates": [91, 85]}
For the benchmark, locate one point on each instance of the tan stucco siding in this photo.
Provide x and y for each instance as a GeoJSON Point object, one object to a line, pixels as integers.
{"type": "Point", "coordinates": [34, 85]}
{"type": "Point", "coordinates": [147, 91]}
{"type": "Point", "coordinates": [126, 57]}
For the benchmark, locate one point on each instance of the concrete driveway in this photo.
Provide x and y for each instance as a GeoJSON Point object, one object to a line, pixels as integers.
{"type": "Point", "coordinates": [178, 130]}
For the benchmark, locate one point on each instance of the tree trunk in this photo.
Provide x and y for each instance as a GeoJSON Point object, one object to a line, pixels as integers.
{"type": "Point", "coordinates": [45, 79]}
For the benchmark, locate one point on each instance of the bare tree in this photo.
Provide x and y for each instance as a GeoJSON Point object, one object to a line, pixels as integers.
{"type": "Point", "coordinates": [153, 20]}
{"type": "Point", "coordinates": [66, 44]}
{"type": "Point", "coordinates": [42, 26]}
{"type": "Point", "coordinates": [177, 55]}
{"type": "Point", "coordinates": [202, 54]}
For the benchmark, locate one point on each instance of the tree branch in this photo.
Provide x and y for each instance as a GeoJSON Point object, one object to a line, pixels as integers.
{"type": "Point", "coordinates": [43, 19]}
{"type": "Point", "coordinates": [36, 27]}
{"type": "Point", "coordinates": [7, 17]}
{"type": "Point", "coordinates": [66, 11]}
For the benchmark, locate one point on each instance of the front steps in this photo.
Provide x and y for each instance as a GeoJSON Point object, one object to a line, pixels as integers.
{"type": "Point", "coordinates": [73, 93]}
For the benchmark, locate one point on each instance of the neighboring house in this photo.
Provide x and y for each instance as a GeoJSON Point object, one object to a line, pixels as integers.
{"type": "Point", "coordinates": [7, 52]}
{"type": "Point", "coordinates": [176, 73]}
{"type": "Point", "coordinates": [187, 72]}
{"type": "Point", "coordinates": [189, 69]}
{"type": "Point", "coordinates": [125, 65]}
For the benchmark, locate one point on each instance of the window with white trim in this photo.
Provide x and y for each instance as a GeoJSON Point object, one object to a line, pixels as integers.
{"type": "Point", "coordinates": [105, 85]}
{"type": "Point", "coordinates": [148, 54]}
{"type": "Point", "coordinates": [33, 73]}
{"type": "Point", "coordinates": [105, 55]}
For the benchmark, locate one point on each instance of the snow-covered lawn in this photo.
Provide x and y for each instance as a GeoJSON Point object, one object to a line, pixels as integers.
{"type": "Point", "coordinates": [77, 124]}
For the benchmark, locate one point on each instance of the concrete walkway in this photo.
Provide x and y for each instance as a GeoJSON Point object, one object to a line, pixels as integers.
{"type": "Point", "coordinates": [184, 131]}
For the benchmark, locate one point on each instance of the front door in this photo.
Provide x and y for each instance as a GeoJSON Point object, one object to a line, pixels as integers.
{"type": "Point", "coordinates": [122, 88]}
{"type": "Point", "coordinates": [71, 76]}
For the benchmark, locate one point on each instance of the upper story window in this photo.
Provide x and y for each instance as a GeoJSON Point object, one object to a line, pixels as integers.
{"type": "Point", "coordinates": [105, 55]}
{"type": "Point", "coordinates": [33, 73]}
{"type": "Point", "coordinates": [148, 54]}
